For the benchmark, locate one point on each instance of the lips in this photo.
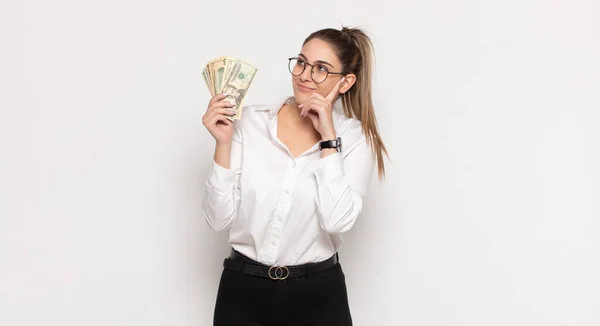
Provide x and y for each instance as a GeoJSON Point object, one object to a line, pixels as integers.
{"type": "Point", "coordinates": [304, 89]}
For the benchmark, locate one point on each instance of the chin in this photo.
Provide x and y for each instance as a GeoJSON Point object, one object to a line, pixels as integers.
{"type": "Point", "coordinates": [299, 98]}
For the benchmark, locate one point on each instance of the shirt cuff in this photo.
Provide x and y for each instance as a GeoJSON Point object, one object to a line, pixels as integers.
{"type": "Point", "coordinates": [329, 167]}
{"type": "Point", "coordinates": [221, 179]}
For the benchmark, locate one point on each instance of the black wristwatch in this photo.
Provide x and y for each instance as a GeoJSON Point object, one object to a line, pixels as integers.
{"type": "Point", "coordinates": [336, 143]}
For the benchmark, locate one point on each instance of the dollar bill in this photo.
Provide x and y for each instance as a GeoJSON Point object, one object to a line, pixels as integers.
{"type": "Point", "coordinates": [230, 63]}
{"type": "Point", "coordinates": [207, 80]}
{"type": "Point", "coordinates": [238, 114]}
{"type": "Point", "coordinates": [211, 88]}
{"type": "Point", "coordinates": [218, 68]}
{"type": "Point", "coordinates": [231, 75]}
{"type": "Point", "coordinates": [237, 83]}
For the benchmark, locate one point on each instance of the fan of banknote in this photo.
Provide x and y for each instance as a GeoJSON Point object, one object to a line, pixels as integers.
{"type": "Point", "coordinates": [232, 76]}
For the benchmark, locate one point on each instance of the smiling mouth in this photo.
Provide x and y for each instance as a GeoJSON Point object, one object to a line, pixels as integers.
{"type": "Point", "coordinates": [304, 88]}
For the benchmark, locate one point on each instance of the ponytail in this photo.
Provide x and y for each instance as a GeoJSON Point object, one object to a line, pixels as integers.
{"type": "Point", "coordinates": [355, 50]}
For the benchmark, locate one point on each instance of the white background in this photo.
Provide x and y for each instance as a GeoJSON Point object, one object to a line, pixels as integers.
{"type": "Point", "coordinates": [489, 215]}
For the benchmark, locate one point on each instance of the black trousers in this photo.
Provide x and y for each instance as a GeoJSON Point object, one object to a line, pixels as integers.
{"type": "Point", "coordinates": [318, 300]}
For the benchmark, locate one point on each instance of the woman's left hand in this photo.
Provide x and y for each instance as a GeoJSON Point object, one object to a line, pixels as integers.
{"type": "Point", "coordinates": [319, 110]}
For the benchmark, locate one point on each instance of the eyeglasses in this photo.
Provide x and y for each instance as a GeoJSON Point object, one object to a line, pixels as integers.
{"type": "Point", "coordinates": [318, 72]}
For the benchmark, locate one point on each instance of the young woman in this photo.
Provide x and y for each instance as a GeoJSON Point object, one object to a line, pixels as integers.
{"type": "Point", "coordinates": [288, 180]}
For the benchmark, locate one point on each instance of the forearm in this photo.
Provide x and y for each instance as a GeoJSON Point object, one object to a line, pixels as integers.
{"type": "Point", "coordinates": [223, 155]}
{"type": "Point", "coordinates": [221, 197]}
{"type": "Point", "coordinates": [342, 180]}
{"type": "Point", "coordinates": [328, 151]}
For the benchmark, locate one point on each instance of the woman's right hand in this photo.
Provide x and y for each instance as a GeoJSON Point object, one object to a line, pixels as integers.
{"type": "Point", "coordinates": [215, 119]}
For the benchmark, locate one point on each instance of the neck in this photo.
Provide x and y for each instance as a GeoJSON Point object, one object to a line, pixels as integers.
{"type": "Point", "coordinates": [291, 113]}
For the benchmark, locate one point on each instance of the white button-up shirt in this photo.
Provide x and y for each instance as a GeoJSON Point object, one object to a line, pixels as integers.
{"type": "Point", "coordinates": [282, 210]}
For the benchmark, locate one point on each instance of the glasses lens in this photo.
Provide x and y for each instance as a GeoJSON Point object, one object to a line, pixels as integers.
{"type": "Point", "coordinates": [296, 66]}
{"type": "Point", "coordinates": [319, 73]}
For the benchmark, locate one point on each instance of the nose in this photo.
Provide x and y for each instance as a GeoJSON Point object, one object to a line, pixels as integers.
{"type": "Point", "coordinates": [305, 76]}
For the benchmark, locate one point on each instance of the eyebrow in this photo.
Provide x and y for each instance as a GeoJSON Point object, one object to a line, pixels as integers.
{"type": "Point", "coordinates": [318, 61]}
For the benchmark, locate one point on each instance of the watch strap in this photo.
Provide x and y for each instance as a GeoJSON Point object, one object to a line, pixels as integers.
{"type": "Point", "coordinates": [335, 143]}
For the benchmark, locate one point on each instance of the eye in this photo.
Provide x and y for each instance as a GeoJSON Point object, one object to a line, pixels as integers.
{"type": "Point", "coordinates": [322, 68]}
{"type": "Point", "coordinates": [300, 62]}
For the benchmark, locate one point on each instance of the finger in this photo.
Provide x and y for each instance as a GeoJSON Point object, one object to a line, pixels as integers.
{"type": "Point", "coordinates": [225, 111]}
{"type": "Point", "coordinates": [312, 115]}
{"type": "Point", "coordinates": [321, 101]}
{"type": "Point", "coordinates": [219, 117]}
{"type": "Point", "coordinates": [318, 96]}
{"type": "Point", "coordinates": [317, 104]}
{"type": "Point", "coordinates": [336, 90]}
{"type": "Point", "coordinates": [217, 98]}
{"type": "Point", "coordinates": [312, 106]}
{"type": "Point", "coordinates": [209, 117]}
{"type": "Point", "coordinates": [304, 107]}
{"type": "Point", "coordinates": [222, 104]}
{"type": "Point", "coordinates": [307, 99]}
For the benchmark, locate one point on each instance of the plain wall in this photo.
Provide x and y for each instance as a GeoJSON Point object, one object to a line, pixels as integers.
{"type": "Point", "coordinates": [489, 214]}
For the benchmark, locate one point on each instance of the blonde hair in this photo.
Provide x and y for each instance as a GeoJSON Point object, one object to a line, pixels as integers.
{"type": "Point", "coordinates": [355, 50]}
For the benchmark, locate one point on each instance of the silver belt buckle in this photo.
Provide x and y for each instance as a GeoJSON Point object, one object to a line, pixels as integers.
{"type": "Point", "coordinates": [279, 272]}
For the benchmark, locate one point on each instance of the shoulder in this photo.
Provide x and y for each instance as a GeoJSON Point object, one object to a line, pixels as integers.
{"type": "Point", "coordinates": [254, 114]}
{"type": "Point", "coordinates": [254, 121]}
{"type": "Point", "coordinates": [259, 114]}
{"type": "Point", "coordinates": [257, 107]}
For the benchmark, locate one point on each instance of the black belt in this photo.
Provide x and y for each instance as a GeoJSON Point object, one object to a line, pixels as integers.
{"type": "Point", "coordinates": [240, 263]}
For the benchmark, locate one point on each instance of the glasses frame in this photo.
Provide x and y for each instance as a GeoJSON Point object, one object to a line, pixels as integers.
{"type": "Point", "coordinates": [312, 66]}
